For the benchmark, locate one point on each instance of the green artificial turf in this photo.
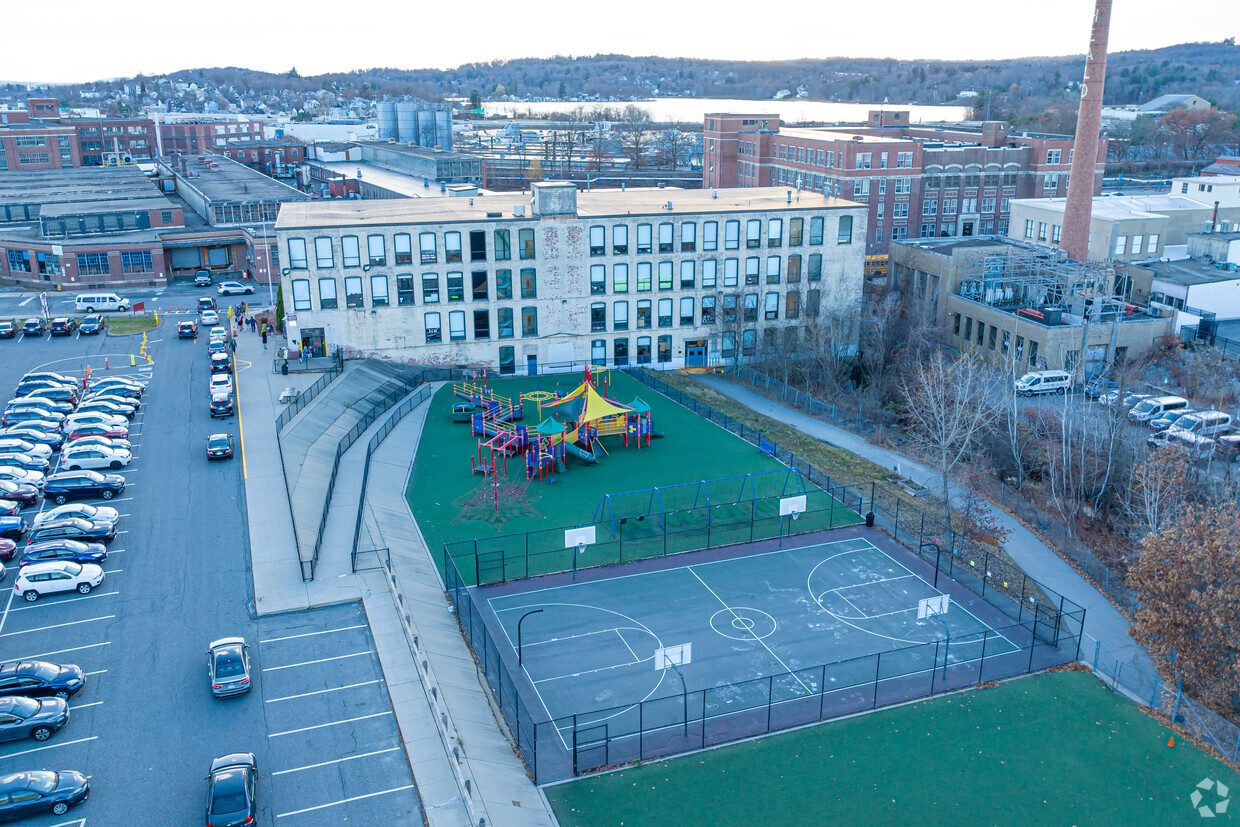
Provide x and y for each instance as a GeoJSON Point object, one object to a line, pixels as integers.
{"type": "Point", "coordinates": [1054, 749]}
{"type": "Point", "coordinates": [442, 485]}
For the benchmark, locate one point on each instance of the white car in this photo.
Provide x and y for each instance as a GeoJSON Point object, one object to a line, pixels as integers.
{"type": "Point", "coordinates": [217, 333]}
{"type": "Point", "coordinates": [38, 579]}
{"type": "Point", "coordinates": [82, 511]}
{"type": "Point", "coordinates": [106, 396]}
{"type": "Point", "coordinates": [77, 457]}
{"type": "Point", "coordinates": [8, 472]}
{"type": "Point", "coordinates": [93, 418]}
{"type": "Point", "coordinates": [234, 288]}
{"type": "Point", "coordinates": [107, 407]}
{"type": "Point", "coordinates": [221, 383]}
{"type": "Point", "coordinates": [210, 317]}
{"type": "Point", "coordinates": [10, 445]}
{"type": "Point", "coordinates": [105, 441]}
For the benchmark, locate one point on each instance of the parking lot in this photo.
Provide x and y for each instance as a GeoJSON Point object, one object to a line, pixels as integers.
{"type": "Point", "coordinates": [145, 727]}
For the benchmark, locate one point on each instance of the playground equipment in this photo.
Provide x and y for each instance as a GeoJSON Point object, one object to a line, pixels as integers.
{"type": "Point", "coordinates": [721, 500]}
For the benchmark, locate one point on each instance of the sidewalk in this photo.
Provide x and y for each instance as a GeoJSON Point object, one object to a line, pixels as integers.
{"type": "Point", "coordinates": [1103, 622]}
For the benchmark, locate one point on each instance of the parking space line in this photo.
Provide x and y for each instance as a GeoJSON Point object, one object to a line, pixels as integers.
{"type": "Point", "coordinates": [346, 801]}
{"type": "Point", "coordinates": [58, 626]}
{"type": "Point", "coordinates": [313, 634]}
{"type": "Point", "coordinates": [83, 706]}
{"type": "Point", "coordinates": [337, 761]}
{"type": "Point", "coordinates": [320, 660]}
{"type": "Point", "coordinates": [96, 672]}
{"type": "Point", "coordinates": [63, 651]}
{"type": "Point", "coordinates": [329, 724]}
{"type": "Point", "coordinates": [112, 571]}
{"type": "Point", "coordinates": [323, 691]}
{"type": "Point", "coordinates": [50, 746]}
{"type": "Point", "coordinates": [90, 596]}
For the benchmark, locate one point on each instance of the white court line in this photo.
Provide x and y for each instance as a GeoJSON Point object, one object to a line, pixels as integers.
{"type": "Point", "coordinates": [336, 761]}
{"type": "Point", "coordinates": [757, 639]}
{"type": "Point", "coordinates": [586, 672]}
{"type": "Point", "coordinates": [58, 626]}
{"type": "Point", "coordinates": [345, 801]}
{"type": "Point", "coordinates": [636, 659]}
{"type": "Point", "coordinates": [63, 651]}
{"type": "Point", "coordinates": [312, 634]}
{"type": "Point", "coordinates": [50, 746]}
{"type": "Point", "coordinates": [323, 691]}
{"type": "Point", "coordinates": [40, 604]}
{"type": "Point", "coordinates": [320, 660]}
{"type": "Point", "coordinates": [330, 724]}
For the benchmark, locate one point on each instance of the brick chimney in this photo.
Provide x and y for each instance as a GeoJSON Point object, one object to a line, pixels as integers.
{"type": "Point", "coordinates": [1075, 237]}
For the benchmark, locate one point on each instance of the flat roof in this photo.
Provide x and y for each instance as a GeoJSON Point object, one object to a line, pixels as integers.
{"type": "Point", "coordinates": [613, 203]}
{"type": "Point", "coordinates": [947, 246]}
{"type": "Point", "coordinates": [836, 133]}
{"type": "Point", "coordinates": [221, 179]}
{"type": "Point", "coordinates": [87, 185]}
{"type": "Point", "coordinates": [419, 151]}
{"type": "Point", "coordinates": [1189, 272]}
{"type": "Point", "coordinates": [1124, 207]}
{"type": "Point", "coordinates": [406, 184]}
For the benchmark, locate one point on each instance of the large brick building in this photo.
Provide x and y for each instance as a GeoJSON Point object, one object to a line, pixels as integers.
{"type": "Point", "coordinates": [918, 181]}
{"type": "Point", "coordinates": [195, 137]}
{"type": "Point", "coordinates": [40, 138]}
{"type": "Point", "coordinates": [614, 277]}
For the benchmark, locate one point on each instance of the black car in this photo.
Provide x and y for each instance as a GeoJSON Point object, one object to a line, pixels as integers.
{"type": "Point", "coordinates": [221, 405]}
{"type": "Point", "coordinates": [117, 387]}
{"type": "Point", "coordinates": [12, 528]}
{"type": "Point", "coordinates": [25, 461]}
{"type": "Point", "coordinates": [40, 679]}
{"type": "Point", "coordinates": [41, 791]}
{"type": "Point", "coordinates": [202, 278]}
{"type": "Point", "coordinates": [77, 485]}
{"type": "Point", "coordinates": [221, 363]}
{"type": "Point", "coordinates": [91, 325]}
{"type": "Point", "coordinates": [219, 446]}
{"type": "Point", "coordinates": [187, 330]}
{"type": "Point", "coordinates": [47, 390]}
{"type": "Point", "coordinates": [8, 329]}
{"type": "Point", "coordinates": [231, 799]}
{"type": "Point", "coordinates": [63, 327]}
{"type": "Point", "coordinates": [39, 718]}
{"type": "Point", "coordinates": [33, 327]}
{"type": "Point", "coordinates": [38, 436]}
{"type": "Point", "coordinates": [73, 528]}
{"type": "Point", "coordinates": [70, 550]}
{"type": "Point", "coordinates": [21, 492]}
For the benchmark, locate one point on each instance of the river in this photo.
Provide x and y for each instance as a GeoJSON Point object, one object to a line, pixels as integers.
{"type": "Point", "coordinates": [692, 110]}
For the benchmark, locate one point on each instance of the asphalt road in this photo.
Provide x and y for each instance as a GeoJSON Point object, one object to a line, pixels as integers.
{"type": "Point", "coordinates": [26, 303]}
{"type": "Point", "coordinates": [146, 727]}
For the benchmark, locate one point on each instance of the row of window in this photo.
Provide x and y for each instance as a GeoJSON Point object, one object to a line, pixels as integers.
{"type": "Point", "coordinates": [402, 249]}
{"type": "Point", "coordinates": [986, 226]}
{"type": "Point", "coordinates": [686, 240]}
{"type": "Point", "coordinates": [962, 327]}
{"type": "Point", "coordinates": [133, 262]}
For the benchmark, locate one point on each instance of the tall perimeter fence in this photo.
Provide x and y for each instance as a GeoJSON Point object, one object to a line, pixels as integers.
{"type": "Point", "coordinates": [1144, 687]}
{"type": "Point", "coordinates": [1045, 626]}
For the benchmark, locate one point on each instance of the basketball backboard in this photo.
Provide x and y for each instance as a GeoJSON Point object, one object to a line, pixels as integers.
{"type": "Point", "coordinates": [930, 606]}
{"type": "Point", "coordinates": [668, 656]}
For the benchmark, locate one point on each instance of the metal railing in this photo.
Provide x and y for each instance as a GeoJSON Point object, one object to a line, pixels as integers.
{"type": "Point", "coordinates": [307, 396]}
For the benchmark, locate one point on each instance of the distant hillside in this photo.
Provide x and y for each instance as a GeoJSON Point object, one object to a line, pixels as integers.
{"type": "Point", "coordinates": [1022, 89]}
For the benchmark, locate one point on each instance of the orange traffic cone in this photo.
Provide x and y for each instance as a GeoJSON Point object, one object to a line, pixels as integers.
{"type": "Point", "coordinates": [105, 363]}
{"type": "Point", "coordinates": [1171, 741]}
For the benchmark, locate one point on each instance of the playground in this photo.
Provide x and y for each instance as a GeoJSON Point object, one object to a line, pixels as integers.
{"type": "Point", "coordinates": [1046, 749]}
{"type": "Point", "coordinates": [529, 454]}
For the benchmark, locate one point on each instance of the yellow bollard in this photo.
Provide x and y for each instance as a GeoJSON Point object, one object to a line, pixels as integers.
{"type": "Point", "coordinates": [133, 361]}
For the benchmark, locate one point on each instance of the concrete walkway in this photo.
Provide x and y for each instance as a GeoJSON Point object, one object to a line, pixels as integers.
{"type": "Point", "coordinates": [1103, 622]}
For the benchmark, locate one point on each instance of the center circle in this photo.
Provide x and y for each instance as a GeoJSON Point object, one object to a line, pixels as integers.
{"type": "Point", "coordinates": [742, 623]}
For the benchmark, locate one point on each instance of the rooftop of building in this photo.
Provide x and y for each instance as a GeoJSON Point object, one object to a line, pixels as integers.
{"type": "Point", "coordinates": [221, 179]}
{"type": "Point", "coordinates": [948, 246]}
{"type": "Point", "coordinates": [1120, 207]}
{"type": "Point", "coordinates": [1190, 272]}
{"type": "Point", "coordinates": [69, 190]}
{"type": "Point", "coordinates": [595, 204]}
{"type": "Point", "coordinates": [409, 186]}
{"type": "Point", "coordinates": [238, 143]}
{"type": "Point", "coordinates": [416, 151]}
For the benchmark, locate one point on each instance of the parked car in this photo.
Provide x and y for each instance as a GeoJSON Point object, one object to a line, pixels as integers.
{"type": "Point", "coordinates": [106, 442]}
{"type": "Point", "coordinates": [50, 375]}
{"type": "Point", "coordinates": [1110, 398]}
{"type": "Point", "coordinates": [26, 461]}
{"type": "Point", "coordinates": [221, 363]}
{"type": "Point", "coordinates": [1197, 447]}
{"type": "Point", "coordinates": [106, 395]}
{"type": "Point", "coordinates": [93, 456]}
{"type": "Point", "coordinates": [221, 405]}
{"type": "Point", "coordinates": [202, 278]}
{"type": "Point", "coordinates": [73, 528]}
{"type": "Point", "coordinates": [216, 346]}
{"type": "Point", "coordinates": [9, 508]}
{"type": "Point", "coordinates": [206, 303]}
{"type": "Point", "coordinates": [8, 329]}
{"type": "Point", "coordinates": [74, 551]}
{"type": "Point", "coordinates": [41, 579]}
{"type": "Point", "coordinates": [28, 414]}
{"type": "Point", "coordinates": [1168, 419]}
{"type": "Point", "coordinates": [1228, 447]}
{"type": "Point", "coordinates": [187, 330]}
{"type": "Point", "coordinates": [8, 550]}
{"type": "Point", "coordinates": [41, 791]}
{"type": "Point", "coordinates": [209, 317]}
{"type": "Point", "coordinates": [37, 718]}
{"type": "Point", "coordinates": [113, 407]}
{"type": "Point", "coordinates": [1099, 385]}
{"type": "Point", "coordinates": [221, 383]}
{"type": "Point", "coordinates": [86, 511]}
{"type": "Point", "coordinates": [78, 485]}
{"type": "Point", "coordinates": [234, 288]}
{"type": "Point", "coordinates": [33, 327]}
{"type": "Point", "coordinates": [21, 446]}
{"type": "Point", "coordinates": [12, 527]}
{"type": "Point", "coordinates": [94, 418]}
{"type": "Point", "coordinates": [63, 326]}
{"type": "Point", "coordinates": [92, 325]}
{"type": "Point", "coordinates": [47, 403]}
{"type": "Point", "coordinates": [110, 431]}
{"type": "Point", "coordinates": [40, 679]}
{"type": "Point", "coordinates": [115, 384]}
{"type": "Point", "coordinates": [39, 425]}
{"type": "Point", "coordinates": [231, 790]}
{"type": "Point", "coordinates": [49, 390]}
{"type": "Point", "coordinates": [51, 439]}
{"type": "Point", "coordinates": [1155, 406]}
{"type": "Point", "coordinates": [21, 492]}
{"type": "Point", "coordinates": [228, 666]}
{"type": "Point", "coordinates": [1205, 423]}
{"type": "Point", "coordinates": [8, 472]}
{"type": "Point", "coordinates": [219, 446]}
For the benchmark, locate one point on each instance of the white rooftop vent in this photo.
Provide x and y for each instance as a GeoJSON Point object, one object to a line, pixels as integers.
{"type": "Point", "coordinates": [519, 210]}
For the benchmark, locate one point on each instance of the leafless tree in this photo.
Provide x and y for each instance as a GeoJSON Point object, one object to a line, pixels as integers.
{"type": "Point", "coordinates": [951, 406]}
{"type": "Point", "coordinates": [669, 146]}
{"type": "Point", "coordinates": [635, 134]}
{"type": "Point", "coordinates": [1157, 491]}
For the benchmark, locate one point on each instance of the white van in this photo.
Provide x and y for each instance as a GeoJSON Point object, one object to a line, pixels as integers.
{"type": "Point", "coordinates": [99, 302]}
{"type": "Point", "coordinates": [1204, 423]}
{"type": "Point", "coordinates": [1044, 381]}
{"type": "Point", "coordinates": [1150, 409]}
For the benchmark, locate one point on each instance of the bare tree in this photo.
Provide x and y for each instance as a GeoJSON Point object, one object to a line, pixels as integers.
{"type": "Point", "coordinates": [951, 406]}
{"type": "Point", "coordinates": [635, 134]}
{"type": "Point", "coordinates": [669, 146]}
{"type": "Point", "coordinates": [1157, 491]}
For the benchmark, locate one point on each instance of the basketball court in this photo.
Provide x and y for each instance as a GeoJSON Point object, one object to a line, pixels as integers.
{"type": "Point", "coordinates": [632, 652]}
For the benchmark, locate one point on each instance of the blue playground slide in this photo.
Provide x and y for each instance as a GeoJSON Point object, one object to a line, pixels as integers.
{"type": "Point", "coordinates": [584, 456]}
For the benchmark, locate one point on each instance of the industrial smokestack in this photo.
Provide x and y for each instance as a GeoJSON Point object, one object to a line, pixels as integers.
{"type": "Point", "coordinates": [1079, 207]}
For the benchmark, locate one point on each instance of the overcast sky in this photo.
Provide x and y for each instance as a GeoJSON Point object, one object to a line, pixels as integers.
{"type": "Point", "coordinates": [77, 40]}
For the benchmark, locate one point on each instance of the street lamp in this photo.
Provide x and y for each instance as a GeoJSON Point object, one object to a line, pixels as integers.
{"type": "Point", "coordinates": [519, 622]}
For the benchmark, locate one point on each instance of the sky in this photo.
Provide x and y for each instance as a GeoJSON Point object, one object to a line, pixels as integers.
{"type": "Point", "coordinates": [79, 40]}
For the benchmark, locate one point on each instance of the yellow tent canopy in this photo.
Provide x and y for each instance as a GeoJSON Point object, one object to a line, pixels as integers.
{"type": "Point", "coordinates": [594, 407]}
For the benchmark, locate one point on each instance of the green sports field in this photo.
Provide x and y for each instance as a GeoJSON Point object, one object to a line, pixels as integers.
{"type": "Point", "coordinates": [1056, 749]}
{"type": "Point", "coordinates": [451, 503]}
